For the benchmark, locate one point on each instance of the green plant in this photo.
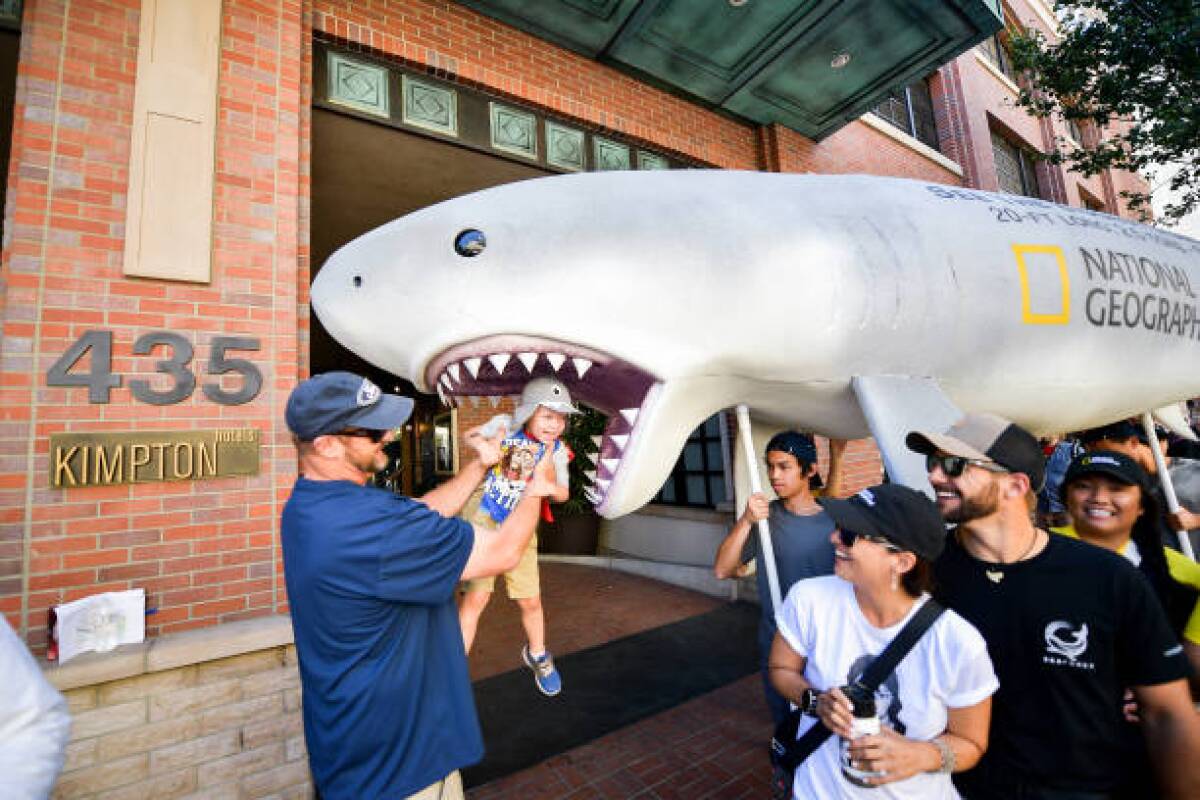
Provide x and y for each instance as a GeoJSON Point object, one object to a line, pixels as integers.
{"type": "Point", "coordinates": [581, 428]}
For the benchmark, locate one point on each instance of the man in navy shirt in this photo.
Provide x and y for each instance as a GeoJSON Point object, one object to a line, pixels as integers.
{"type": "Point", "coordinates": [388, 711]}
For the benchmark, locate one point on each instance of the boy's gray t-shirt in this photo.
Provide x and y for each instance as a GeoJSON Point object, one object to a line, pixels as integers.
{"type": "Point", "coordinates": [802, 550]}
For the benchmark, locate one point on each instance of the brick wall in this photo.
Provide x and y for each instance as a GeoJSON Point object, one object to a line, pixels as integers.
{"type": "Point", "coordinates": [458, 43]}
{"type": "Point", "coordinates": [205, 551]}
{"type": "Point", "coordinates": [229, 728]}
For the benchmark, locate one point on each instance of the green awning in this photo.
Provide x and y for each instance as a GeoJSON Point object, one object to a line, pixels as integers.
{"type": "Point", "coordinates": [812, 65]}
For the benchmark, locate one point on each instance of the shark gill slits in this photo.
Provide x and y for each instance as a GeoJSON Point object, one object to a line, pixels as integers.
{"type": "Point", "coordinates": [470, 243]}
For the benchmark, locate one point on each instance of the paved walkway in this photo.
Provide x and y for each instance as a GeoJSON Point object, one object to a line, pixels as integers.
{"type": "Point", "coordinates": [713, 746]}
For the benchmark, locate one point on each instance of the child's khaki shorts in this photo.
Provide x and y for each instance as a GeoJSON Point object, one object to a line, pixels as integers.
{"type": "Point", "coordinates": [522, 581]}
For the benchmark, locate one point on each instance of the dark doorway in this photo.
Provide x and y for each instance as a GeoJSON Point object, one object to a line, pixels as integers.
{"type": "Point", "coordinates": [365, 174]}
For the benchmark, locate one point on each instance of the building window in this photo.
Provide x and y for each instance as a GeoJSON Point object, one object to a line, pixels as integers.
{"type": "Point", "coordinates": [910, 108]}
{"type": "Point", "coordinates": [1074, 131]}
{"type": "Point", "coordinates": [1015, 170]}
{"type": "Point", "coordinates": [698, 478]}
{"type": "Point", "coordinates": [995, 47]}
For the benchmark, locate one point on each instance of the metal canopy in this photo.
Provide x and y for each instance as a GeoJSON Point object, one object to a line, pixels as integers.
{"type": "Point", "coordinates": [812, 65]}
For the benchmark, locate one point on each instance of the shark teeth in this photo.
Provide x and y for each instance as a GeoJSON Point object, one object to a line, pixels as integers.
{"type": "Point", "coordinates": [603, 484]}
{"type": "Point", "coordinates": [494, 400]}
{"type": "Point", "coordinates": [620, 440]}
{"type": "Point", "coordinates": [475, 400]}
{"type": "Point", "coordinates": [556, 360]}
{"type": "Point", "coordinates": [472, 365]}
{"type": "Point", "coordinates": [630, 415]}
{"type": "Point", "coordinates": [441, 393]}
{"type": "Point", "coordinates": [499, 361]}
{"type": "Point", "coordinates": [582, 365]}
{"type": "Point", "coordinates": [598, 441]}
{"type": "Point", "coordinates": [455, 374]}
{"type": "Point", "coordinates": [610, 464]}
{"type": "Point", "coordinates": [528, 359]}
{"type": "Point", "coordinates": [590, 474]}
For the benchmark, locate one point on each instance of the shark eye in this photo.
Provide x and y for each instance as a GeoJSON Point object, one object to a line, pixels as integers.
{"type": "Point", "coordinates": [470, 243]}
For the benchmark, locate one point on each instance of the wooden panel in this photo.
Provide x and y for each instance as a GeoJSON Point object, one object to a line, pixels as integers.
{"type": "Point", "coordinates": [171, 164]}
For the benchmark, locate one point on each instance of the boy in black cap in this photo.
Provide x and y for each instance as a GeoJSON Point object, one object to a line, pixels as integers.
{"type": "Point", "coordinates": [799, 533]}
{"type": "Point", "coordinates": [371, 576]}
{"type": "Point", "coordinates": [1069, 628]}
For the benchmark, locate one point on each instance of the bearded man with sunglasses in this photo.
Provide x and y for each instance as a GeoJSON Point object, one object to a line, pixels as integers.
{"type": "Point", "coordinates": [371, 577]}
{"type": "Point", "coordinates": [1069, 629]}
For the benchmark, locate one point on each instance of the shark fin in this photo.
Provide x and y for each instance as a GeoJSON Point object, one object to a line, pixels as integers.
{"type": "Point", "coordinates": [893, 405]}
{"type": "Point", "coordinates": [1175, 419]}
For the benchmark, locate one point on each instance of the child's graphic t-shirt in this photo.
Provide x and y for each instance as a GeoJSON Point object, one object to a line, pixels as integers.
{"type": "Point", "coordinates": [519, 454]}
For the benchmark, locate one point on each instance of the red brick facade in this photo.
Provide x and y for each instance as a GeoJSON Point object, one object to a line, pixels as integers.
{"type": "Point", "coordinates": [208, 552]}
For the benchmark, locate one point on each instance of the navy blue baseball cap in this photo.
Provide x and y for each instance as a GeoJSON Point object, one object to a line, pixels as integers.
{"type": "Point", "coordinates": [335, 401]}
{"type": "Point", "coordinates": [798, 444]}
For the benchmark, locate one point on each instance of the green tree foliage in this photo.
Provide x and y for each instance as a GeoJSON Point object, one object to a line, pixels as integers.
{"type": "Point", "coordinates": [581, 428]}
{"type": "Point", "coordinates": [1128, 71]}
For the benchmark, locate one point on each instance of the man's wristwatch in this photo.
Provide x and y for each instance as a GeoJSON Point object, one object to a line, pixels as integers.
{"type": "Point", "coordinates": [808, 701]}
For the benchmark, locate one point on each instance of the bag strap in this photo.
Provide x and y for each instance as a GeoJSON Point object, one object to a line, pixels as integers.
{"type": "Point", "coordinates": [793, 751]}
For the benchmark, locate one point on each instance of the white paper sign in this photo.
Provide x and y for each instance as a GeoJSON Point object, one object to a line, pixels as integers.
{"type": "Point", "coordinates": [100, 623]}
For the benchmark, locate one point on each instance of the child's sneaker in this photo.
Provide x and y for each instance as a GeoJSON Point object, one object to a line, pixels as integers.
{"type": "Point", "coordinates": [544, 674]}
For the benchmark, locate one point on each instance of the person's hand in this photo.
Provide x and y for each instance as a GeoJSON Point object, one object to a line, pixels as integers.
{"type": "Point", "coordinates": [544, 480]}
{"type": "Point", "coordinates": [486, 449]}
{"type": "Point", "coordinates": [1129, 708]}
{"type": "Point", "coordinates": [835, 711]}
{"type": "Point", "coordinates": [837, 447]}
{"type": "Point", "coordinates": [757, 508]}
{"type": "Point", "coordinates": [896, 756]}
{"type": "Point", "coordinates": [1184, 520]}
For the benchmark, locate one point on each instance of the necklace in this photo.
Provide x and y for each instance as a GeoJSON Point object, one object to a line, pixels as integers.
{"type": "Point", "coordinates": [996, 574]}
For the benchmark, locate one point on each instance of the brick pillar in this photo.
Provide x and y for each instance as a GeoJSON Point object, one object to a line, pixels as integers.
{"type": "Point", "coordinates": [206, 551]}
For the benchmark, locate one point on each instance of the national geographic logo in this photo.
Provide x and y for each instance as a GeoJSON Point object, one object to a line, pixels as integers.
{"type": "Point", "coordinates": [105, 459]}
{"type": "Point", "coordinates": [1134, 291]}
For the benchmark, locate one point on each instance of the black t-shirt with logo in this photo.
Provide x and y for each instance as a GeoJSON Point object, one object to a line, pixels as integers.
{"type": "Point", "coordinates": [1068, 631]}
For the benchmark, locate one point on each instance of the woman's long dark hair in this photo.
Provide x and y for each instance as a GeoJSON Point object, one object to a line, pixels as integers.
{"type": "Point", "coordinates": [1177, 599]}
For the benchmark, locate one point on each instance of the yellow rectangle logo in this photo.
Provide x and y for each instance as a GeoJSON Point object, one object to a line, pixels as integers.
{"type": "Point", "coordinates": [1038, 285]}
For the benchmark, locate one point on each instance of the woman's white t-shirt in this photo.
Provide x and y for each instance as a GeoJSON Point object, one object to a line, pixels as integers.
{"type": "Point", "coordinates": [948, 668]}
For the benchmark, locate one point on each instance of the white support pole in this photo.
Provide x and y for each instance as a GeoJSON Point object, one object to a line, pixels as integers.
{"type": "Point", "coordinates": [1164, 477]}
{"type": "Point", "coordinates": [764, 528]}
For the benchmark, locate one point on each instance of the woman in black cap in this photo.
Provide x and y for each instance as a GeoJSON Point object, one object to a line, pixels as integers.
{"type": "Point", "coordinates": [1111, 504]}
{"type": "Point", "coordinates": [934, 707]}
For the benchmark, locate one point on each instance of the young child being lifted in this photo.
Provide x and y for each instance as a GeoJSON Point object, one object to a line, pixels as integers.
{"type": "Point", "coordinates": [538, 422]}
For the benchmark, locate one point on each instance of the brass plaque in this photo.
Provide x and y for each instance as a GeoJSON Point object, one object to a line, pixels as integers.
{"type": "Point", "coordinates": [105, 459]}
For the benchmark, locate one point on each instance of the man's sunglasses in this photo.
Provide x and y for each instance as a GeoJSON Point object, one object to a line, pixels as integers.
{"type": "Point", "coordinates": [954, 466]}
{"type": "Point", "coordinates": [848, 538]}
{"type": "Point", "coordinates": [363, 433]}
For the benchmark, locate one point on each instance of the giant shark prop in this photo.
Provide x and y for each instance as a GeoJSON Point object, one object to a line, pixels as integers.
{"type": "Point", "coordinates": [848, 305]}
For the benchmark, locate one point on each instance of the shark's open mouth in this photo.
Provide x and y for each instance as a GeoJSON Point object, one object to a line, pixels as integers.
{"type": "Point", "coordinates": [486, 370]}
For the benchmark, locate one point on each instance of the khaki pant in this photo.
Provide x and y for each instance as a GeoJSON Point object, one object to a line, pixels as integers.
{"type": "Point", "coordinates": [522, 582]}
{"type": "Point", "coordinates": [449, 788]}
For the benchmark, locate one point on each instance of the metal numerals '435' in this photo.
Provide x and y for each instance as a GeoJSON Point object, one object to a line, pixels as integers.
{"type": "Point", "coordinates": [100, 380]}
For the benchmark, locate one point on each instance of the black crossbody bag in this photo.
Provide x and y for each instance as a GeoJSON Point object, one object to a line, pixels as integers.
{"type": "Point", "coordinates": [788, 752]}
